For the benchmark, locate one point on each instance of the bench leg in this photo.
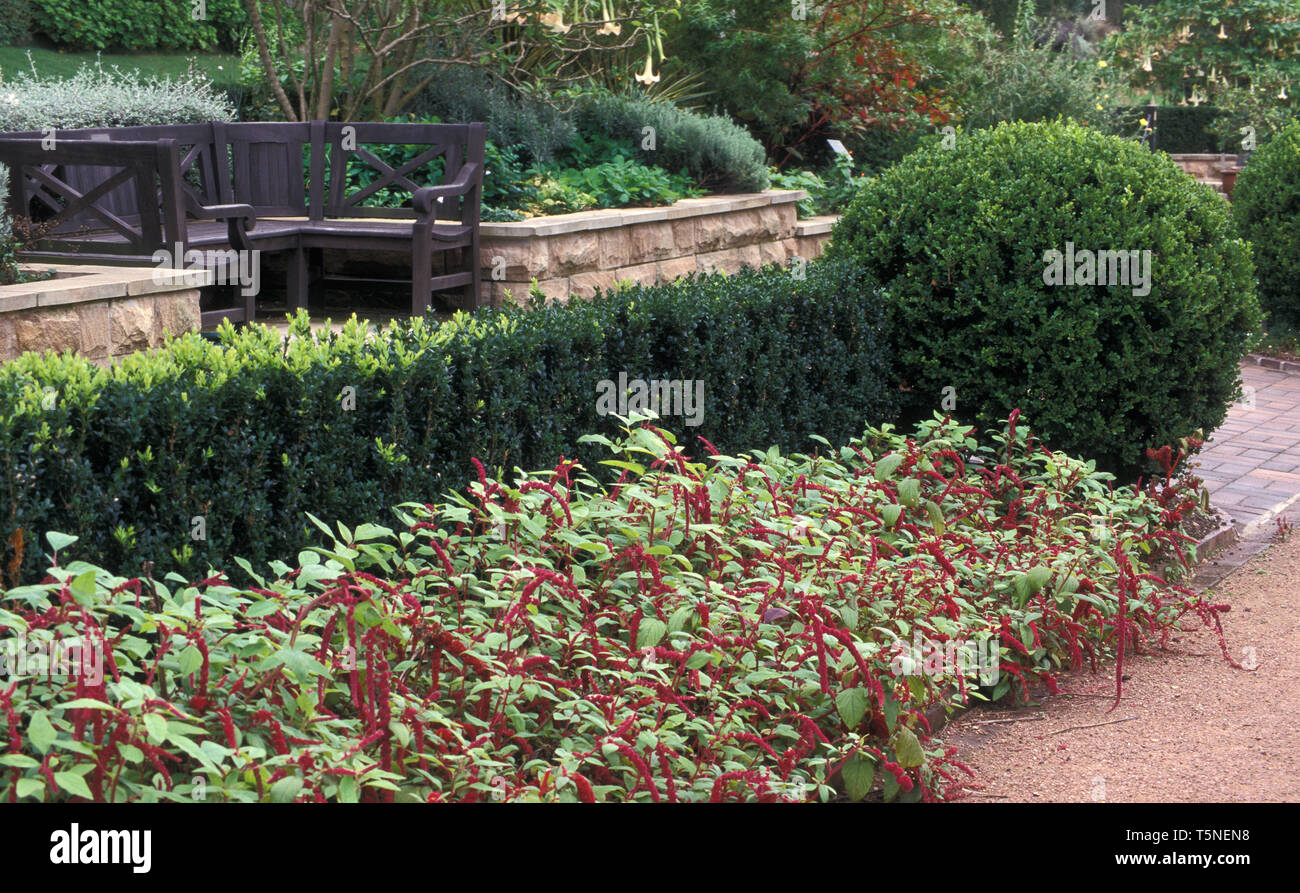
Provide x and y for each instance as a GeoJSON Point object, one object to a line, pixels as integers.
{"type": "Point", "coordinates": [298, 279]}
{"type": "Point", "coordinates": [473, 295]}
{"type": "Point", "coordinates": [421, 276]}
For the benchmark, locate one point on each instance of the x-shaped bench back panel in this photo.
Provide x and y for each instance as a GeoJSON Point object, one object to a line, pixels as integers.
{"type": "Point", "coordinates": [131, 176]}
{"type": "Point", "coordinates": [432, 155]}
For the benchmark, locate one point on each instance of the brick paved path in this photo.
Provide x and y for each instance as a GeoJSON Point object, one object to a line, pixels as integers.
{"type": "Point", "coordinates": [1251, 465]}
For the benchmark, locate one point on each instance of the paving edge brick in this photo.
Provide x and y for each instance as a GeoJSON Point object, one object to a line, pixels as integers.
{"type": "Point", "coordinates": [1290, 367]}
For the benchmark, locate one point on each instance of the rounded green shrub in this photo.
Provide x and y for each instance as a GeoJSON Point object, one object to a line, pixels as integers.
{"type": "Point", "coordinates": [1266, 206]}
{"type": "Point", "coordinates": [965, 241]}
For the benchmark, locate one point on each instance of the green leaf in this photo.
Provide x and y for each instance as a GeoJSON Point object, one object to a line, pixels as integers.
{"type": "Point", "coordinates": [908, 748]}
{"type": "Point", "coordinates": [303, 666]}
{"type": "Point", "coordinates": [887, 465]}
{"type": "Point", "coordinates": [909, 491]}
{"type": "Point", "coordinates": [936, 517]}
{"type": "Point", "coordinates": [30, 787]}
{"type": "Point", "coordinates": [60, 541]}
{"type": "Point", "coordinates": [86, 704]}
{"type": "Point", "coordinates": [40, 732]}
{"type": "Point", "coordinates": [157, 727]}
{"type": "Point", "coordinates": [18, 760]}
{"type": "Point", "coordinates": [891, 712]}
{"type": "Point", "coordinates": [852, 703]}
{"type": "Point", "coordinates": [82, 588]}
{"type": "Point", "coordinates": [190, 660]}
{"type": "Point", "coordinates": [73, 784]}
{"type": "Point", "coordinates": [698, 659]}
{"type": "Point", "coordinates": [262, 608]}
{"type": "Point", "coordinates": [859, 774]}
{"type": "Point", "coordinates": [1038, 577]}
{"type": "Point", "coordinates": [680, 618]}
{"type": "Point", "coordinates": [650, 632]}
{"type": "Point", "coordinates": [286, 789]}
{"type": "Point", "coordinates": [890, 514]}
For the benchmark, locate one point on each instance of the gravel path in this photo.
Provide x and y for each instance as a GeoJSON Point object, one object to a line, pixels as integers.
{"type": "Point", "coordinates": [1194, 729]}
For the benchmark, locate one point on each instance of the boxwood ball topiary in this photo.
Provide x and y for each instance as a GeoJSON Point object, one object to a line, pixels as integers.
{"type": "Point", "coordinates": [1266, 205]}
{"type": "Point", "coordinates": [966, 240]}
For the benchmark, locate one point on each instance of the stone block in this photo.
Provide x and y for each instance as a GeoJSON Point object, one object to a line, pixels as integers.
{"type": "Point", "coordinates": [178, 312]}
{"type": "Point", "coordinates": [615, 248]}
{"type": "Point", "coordinates": [516, 260]}
{"type": "Point", "coordinates": [133, 324]}
{"type": "Point", "coordinates": [584, 285]}
{"type": "Point", "coordinates": [651, 242]}
{"type": "Point", "coordinates": [573, 253]}
{"type": "Point", "coordinates": [727, 261]}
{"type": "Point", "coordinates": [56, 330]}
{"type": "Point", "coordinates": [641, 274]}
{"type": "Point", "coordinates": [96, 334]}
{"type": "Point", "coordinates": [676, 267]}
{"type": "Point", "coordinates": [683, 236]}
{"type": "Point", "coordinates": [772, 253]}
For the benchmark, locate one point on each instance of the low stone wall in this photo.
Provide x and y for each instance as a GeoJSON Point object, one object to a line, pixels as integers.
{"type": "Point", "coordinates": [813, 234]}
{"type": "Point", "coordinates": [574, 254]}
{"type": "Point", "coordinates": [100, 312]}
{"type": "Point", "coordinates": [1204, 167]}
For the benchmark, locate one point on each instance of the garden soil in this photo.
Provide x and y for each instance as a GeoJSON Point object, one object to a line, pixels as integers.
{"type": "Point", "coordinates": [1189, 728]}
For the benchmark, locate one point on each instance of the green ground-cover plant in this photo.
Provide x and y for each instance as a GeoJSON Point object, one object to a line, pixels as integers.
{"type": "Point", "coordinates": [1266, 207]}
{"type": "Point", "coordinates": [251, 433]}
{"type": "Point", "coordinates": [591, 173]}
{"type": "Point", "coordinates": [761, 627]}
{"type": "Point", "coordinates": [961, 239]}
{"type": "Point", "coordinates": [828, 193]}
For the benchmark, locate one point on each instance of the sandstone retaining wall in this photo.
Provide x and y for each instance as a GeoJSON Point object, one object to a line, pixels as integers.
{"type": "Point", "coordinates": [100, 312]}
{"type": "Point", "coordinates": [574, 254]}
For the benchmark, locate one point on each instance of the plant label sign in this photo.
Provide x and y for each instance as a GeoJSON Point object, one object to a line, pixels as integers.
{"type": "Point", "coordinates": [838, 148]}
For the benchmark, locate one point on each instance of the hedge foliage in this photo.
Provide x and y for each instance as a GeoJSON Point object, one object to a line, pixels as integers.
{"type": "Point", "coordinates": [250, 434]}
{"type": "Point", "coordinates": [1266, 206]}
{"type": "Point", "coordinates": [139, 24]}
{"type": "Point", "coordinates": [15, 22]}
{"type": "Point", "coordinates": [108, 97]}
{"type": "Point", "coordinates": [717, 153]}
{"type": "Point", "coordinates": [957, 238]}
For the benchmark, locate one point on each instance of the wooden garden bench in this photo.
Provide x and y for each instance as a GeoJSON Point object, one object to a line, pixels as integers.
{"type": "Point", "coordinates": [118, 195]}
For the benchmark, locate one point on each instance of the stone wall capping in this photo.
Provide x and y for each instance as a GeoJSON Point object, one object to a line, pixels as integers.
{"type": "Point", "coordinates": [816, 226]}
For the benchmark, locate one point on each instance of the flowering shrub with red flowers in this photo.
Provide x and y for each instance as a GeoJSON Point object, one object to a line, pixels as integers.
{"type": "Point", "coordinates": [705, 629]}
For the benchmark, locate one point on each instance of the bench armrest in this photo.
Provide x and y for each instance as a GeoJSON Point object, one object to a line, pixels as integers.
{"type": "Point", "coordinates": [424, 200]}
{"type": "Point", "coordinates": [239, 219]}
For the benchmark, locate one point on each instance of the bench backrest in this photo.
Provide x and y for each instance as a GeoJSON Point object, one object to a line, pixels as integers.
{"type": "Point", "coordinates": [433, 155]}
{"type": "Point", "coordinates": [133, 206]}
{"type": "Point", "coordinates": [267, 167]}
{"type": "Point", "coordinates": [197, 158]}
{"type": "Point", "coordinates": [281, 169]}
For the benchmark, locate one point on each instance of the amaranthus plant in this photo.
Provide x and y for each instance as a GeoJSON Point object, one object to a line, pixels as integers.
{"type": "Point", "coordinates": [705, 629]}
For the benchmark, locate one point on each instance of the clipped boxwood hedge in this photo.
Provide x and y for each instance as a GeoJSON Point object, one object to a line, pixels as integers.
{"type": "Point", "coordinates": [957, 238]}
{"type": "Point", "coordinates": [251, 434]}
{"type": "Point", "coordinates": [1266, 206]}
